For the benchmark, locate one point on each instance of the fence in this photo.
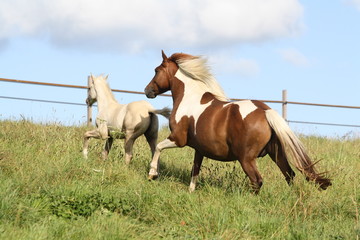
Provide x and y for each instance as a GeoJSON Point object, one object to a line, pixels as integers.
{"type": "Point", "coordinates": [284, 101]}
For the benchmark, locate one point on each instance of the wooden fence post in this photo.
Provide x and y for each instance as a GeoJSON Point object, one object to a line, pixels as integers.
{"type": "Point", "coordinates": [284, 104]}
{"type": "Point", "coordinates": [89, 108]}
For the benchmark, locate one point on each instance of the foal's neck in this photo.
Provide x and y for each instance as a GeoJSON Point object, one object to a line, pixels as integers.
{"type": "Point", "coordinates": [105, 97]}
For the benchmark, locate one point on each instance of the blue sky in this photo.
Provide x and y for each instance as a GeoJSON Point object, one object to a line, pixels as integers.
{"type": "Point", "coordinates": [255, 48]}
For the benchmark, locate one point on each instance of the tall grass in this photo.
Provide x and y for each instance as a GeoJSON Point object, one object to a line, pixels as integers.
{"type": "Point", "coordinates": [48, 191]}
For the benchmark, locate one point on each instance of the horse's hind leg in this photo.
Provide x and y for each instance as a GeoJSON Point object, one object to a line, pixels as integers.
{"type": "Point", "coordinates": [277, 154]}
{"type": "Point", "coordinates": [151, 133]}
{"type": "Point", "coordinates": [107, 148]}
{"type": "Point", "coordinates": [284, 166]}
{"type": "Point", "coordinates": [195, 170]}
{"type": "Point", "coordinates": [89, 134]}
{"type": "Point", "coordinates": [249, 166]}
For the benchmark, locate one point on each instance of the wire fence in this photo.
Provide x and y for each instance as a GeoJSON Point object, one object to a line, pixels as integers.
{"type": "Point", "coordinates": [284, 101]}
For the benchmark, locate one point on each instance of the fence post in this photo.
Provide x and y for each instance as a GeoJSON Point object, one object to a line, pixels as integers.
{"type": "Point", "coordinates": [284, 104]}
{"type": "Point", "coordinates": [89, 108]}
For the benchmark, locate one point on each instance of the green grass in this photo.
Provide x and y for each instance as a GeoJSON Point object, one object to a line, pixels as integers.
{"type": "Point", "coordinates": [48, 191]}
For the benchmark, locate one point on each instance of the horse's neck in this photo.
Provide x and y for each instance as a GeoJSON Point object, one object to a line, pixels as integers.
{"type": "Point", "coordinates": [187, 97]}
{"type": "Point", "coordinates": [192, 92]}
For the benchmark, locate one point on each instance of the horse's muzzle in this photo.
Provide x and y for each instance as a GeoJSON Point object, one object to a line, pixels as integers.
{"type": "Point", "coordinates": [89, 102]}
{"type": "Point", "coordinates": [150, 93]}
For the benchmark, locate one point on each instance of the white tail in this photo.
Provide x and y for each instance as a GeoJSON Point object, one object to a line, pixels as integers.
{"type": "Point", "coordinates": [292, 146]}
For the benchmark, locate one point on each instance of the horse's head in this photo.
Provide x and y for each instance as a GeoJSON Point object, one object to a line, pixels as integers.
{"type": "Point", "coordinates": [92, 94]}
{"type": "Point", "coordinates": [161, 82]}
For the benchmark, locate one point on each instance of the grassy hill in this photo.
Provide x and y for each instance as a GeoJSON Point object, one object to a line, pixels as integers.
{"type": "Point", "coordinates": [48, 191]}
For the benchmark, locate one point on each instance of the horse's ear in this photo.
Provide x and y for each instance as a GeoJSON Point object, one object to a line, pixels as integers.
{"type": "Point", "coordinates": [106, 77]}
{"type": "Point", "coordinates": [163, 55]}
{"type": "Point", "coordinates": [91, 77]}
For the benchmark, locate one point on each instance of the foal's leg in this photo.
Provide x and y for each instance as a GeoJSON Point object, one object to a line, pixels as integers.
{"type": "Point", "coordinates": [89, 134]}
{"type": "Point", "coordinates": [151, 133]}
{"type": "Point", "coordinates": [249, 166]}
{"type": "Point", "coordinates": [130, 137]}
{"type": "Point", "coordinates": [154, 165]}
{"type": "Point", "coordinates": [107, 148]}
{"type": "Point", "coordinates": [129, 143]}
{"type": "Point", "coordinates": [195, 170]}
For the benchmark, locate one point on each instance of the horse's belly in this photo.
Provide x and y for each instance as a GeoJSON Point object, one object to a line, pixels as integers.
{"type": "Point", "coordinates": [222, 158]}
{"type": "Point", "coordinates": [220, 152]}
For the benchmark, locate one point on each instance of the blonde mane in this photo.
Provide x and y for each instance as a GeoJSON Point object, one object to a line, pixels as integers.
{"type": "Point", "coordinates": [196, 68]}
{"type": "Point", "coordinates": [104, 85]}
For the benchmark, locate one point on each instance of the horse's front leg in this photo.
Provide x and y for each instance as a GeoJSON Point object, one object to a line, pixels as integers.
{"type": "Point", "coordinates": [154, 165]}
{"type": "Point", "coordinates": [195, 170]}
{"type": "Point", "coordinates": [89, 134]}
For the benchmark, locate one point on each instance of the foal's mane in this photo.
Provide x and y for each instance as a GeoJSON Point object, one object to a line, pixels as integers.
{"type": "Point", "coordinates": [196, 68]}
{"type": "Point", "coordinates": [105, 85]}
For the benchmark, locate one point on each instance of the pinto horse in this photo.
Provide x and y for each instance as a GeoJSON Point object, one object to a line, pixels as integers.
{"type": "Point", "coordinates": [204, 119]}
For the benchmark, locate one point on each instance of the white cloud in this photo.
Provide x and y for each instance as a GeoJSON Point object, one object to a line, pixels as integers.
{"type": "Point", "coordinates": [227, 63]}
{"type": "Point", "coordinates": [246, 67]}
{"type": "Point", "coordinates": [3, 44]}
{"type": "Point", "coordinates": [294, 57]}
{"type": "Point", "coordinates": [136, 24]}
{"type": "Point", "coordinates": [355, 3]}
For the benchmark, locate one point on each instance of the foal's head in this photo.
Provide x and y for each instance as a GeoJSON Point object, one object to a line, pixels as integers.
{"type": "Point", "coordinates": [92, 94]}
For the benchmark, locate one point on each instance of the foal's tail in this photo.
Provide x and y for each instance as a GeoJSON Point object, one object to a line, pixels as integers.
{"type": "Point", "coordinates": [163, 112]}
{"type": "Point", "coordinates": [292, 146]}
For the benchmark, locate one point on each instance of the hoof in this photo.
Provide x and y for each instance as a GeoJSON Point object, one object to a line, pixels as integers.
{"type": "Point", "coordinates": [192, 187]}
{"type": "Point", "coordinates": [325, 185]}
{"type": "Point", "coordinates": [85, 154]}
{"type": "Point", "coordinates": [152, 177]}
{"type": "Point", "coordinates": [104, 156]}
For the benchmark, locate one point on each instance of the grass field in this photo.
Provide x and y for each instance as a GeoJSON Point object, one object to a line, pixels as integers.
{"type": "Point", "coordinates": [48, 191]}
